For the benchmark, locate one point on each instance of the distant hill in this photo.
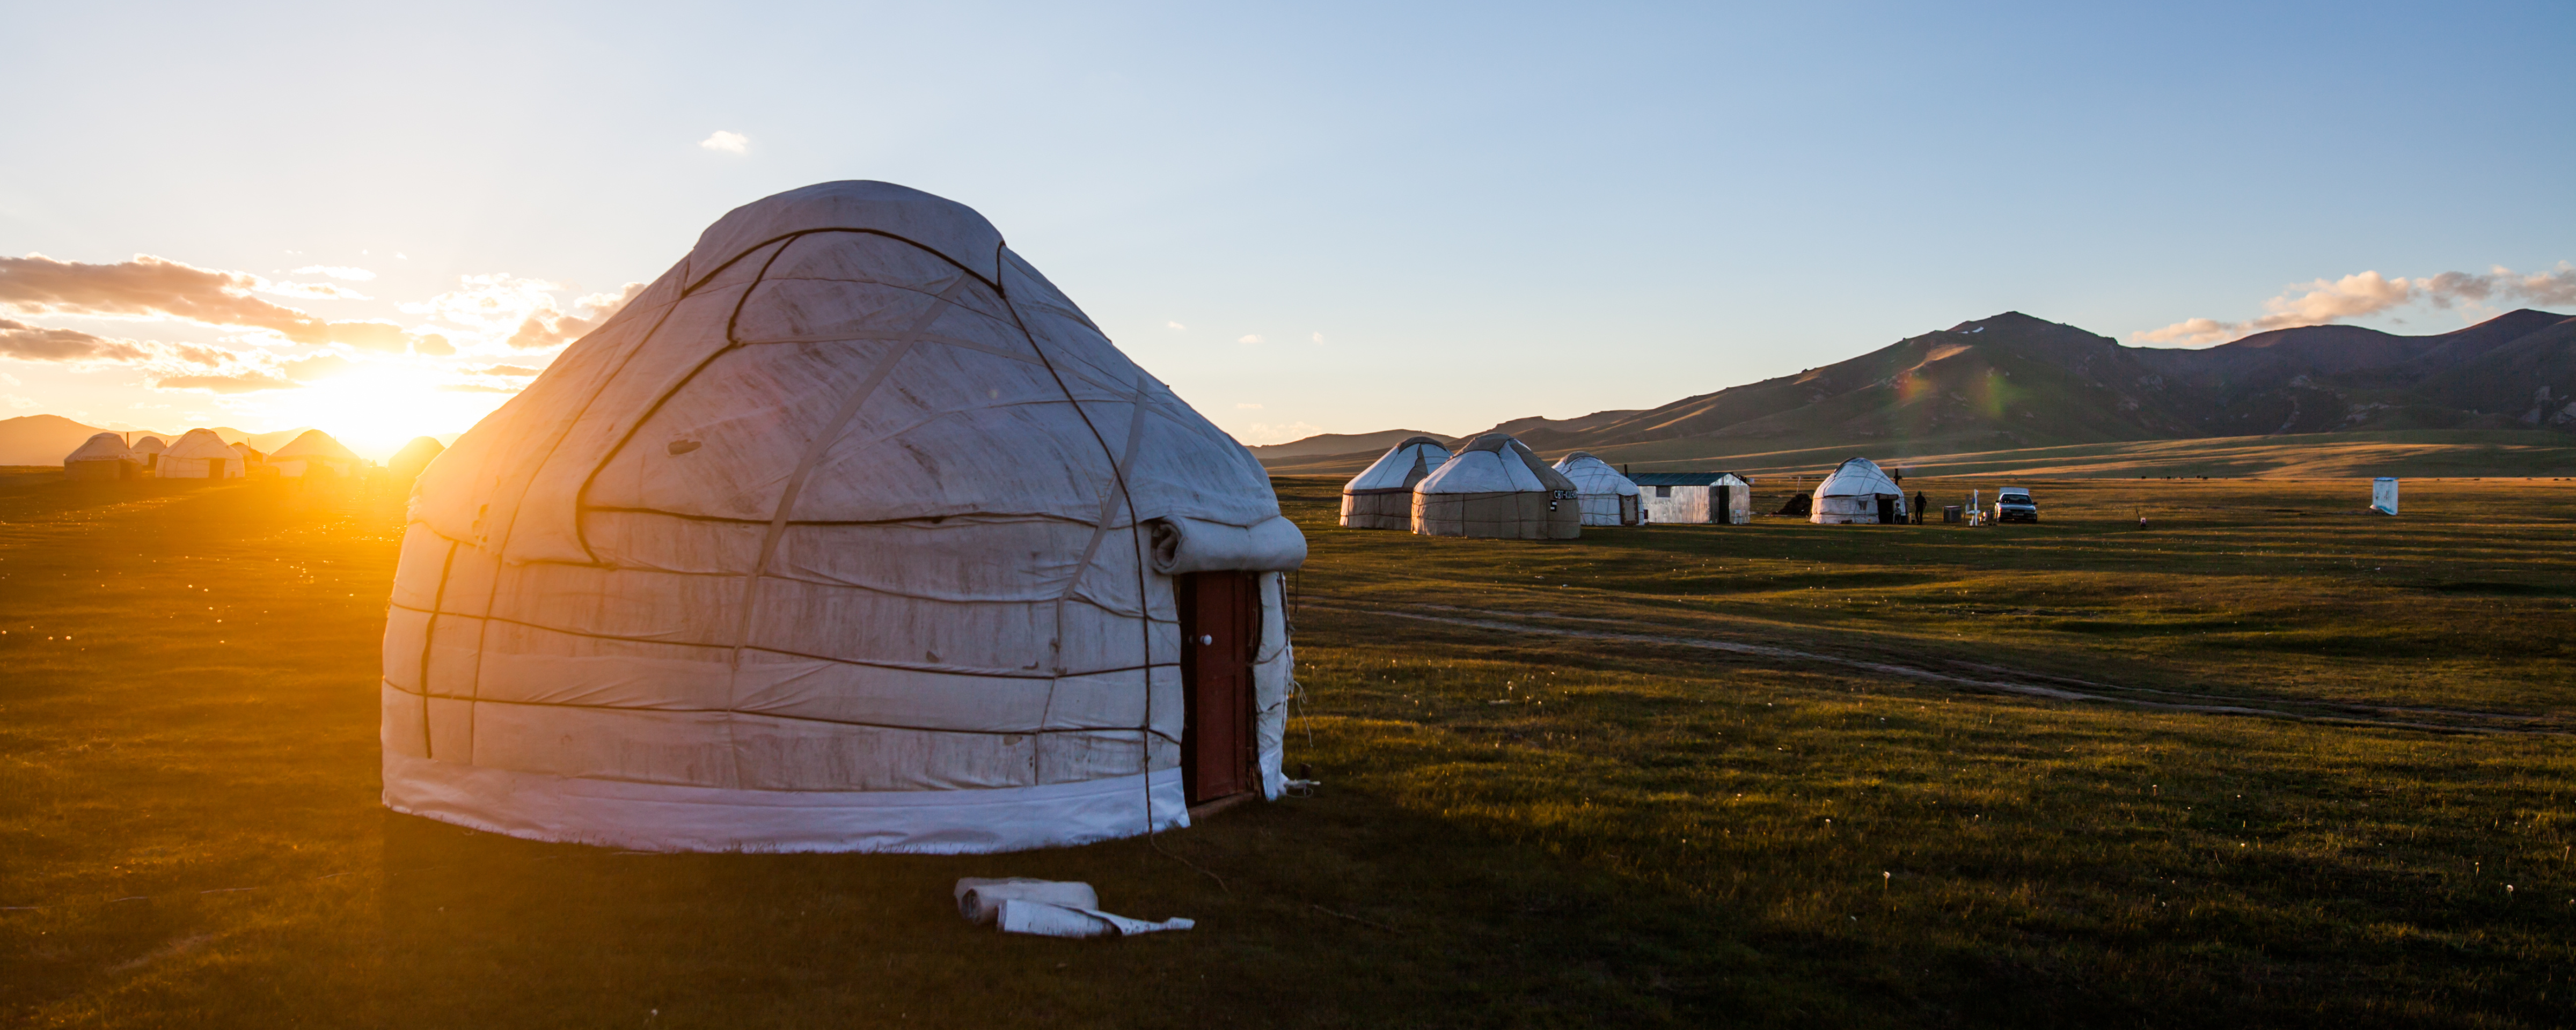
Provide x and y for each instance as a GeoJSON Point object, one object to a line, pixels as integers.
{"type": "Point", "coordinates": [2014, 382]}
{"type": "Point", "coordinates": [45, 439]}
{"type": "Point", "coordinates": [1340, 443]}
{"type": "Point", "coordinates": [41, 439]}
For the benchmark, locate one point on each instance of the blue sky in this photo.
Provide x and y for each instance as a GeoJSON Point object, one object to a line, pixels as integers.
{"type": "Point", "coordinates": [1481, 212]}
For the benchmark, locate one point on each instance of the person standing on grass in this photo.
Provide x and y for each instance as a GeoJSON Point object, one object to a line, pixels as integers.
{"type": "Point", "coordinates": [1919, 501]}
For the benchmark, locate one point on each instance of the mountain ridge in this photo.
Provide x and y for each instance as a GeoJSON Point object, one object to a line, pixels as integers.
{"type": "Point", "coordinates": [2015, 381]}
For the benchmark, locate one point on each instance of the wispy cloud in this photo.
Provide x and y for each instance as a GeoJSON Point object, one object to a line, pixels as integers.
{"type": "Point", "coordinates": [2360, 295]}
{"type": "Point", "coordinates": [151, 288]}
{"type": "Point", "coordinates": [1177, 325]}
{"type": "Point", "coordinates": [245, 381]}
{"type": "Point", "coordinates": [37, 343]}
{"type": "Point", "coordinates": [1260, 432]}
{"type": "Point", "coordinates": [1319, 339]}
{"type": "Point", "coordinates": [1250, 338]}
{"type": "Point", "coordinates": [729, 142]}
{"type": "Point", "coordinates": [548, 327]}
{"type": "Point", "coordinates": [311, 291]}
{"type": "Point", "coordinates": [338, 272]}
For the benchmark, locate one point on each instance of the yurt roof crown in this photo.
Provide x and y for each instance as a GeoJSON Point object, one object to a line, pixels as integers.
{"type": "Point", "coordinates": [1390, 470]}
{"type": "Point", "coordinates": [1494, 463]}
{"type": "Point", "coordinates": [1858, 477]}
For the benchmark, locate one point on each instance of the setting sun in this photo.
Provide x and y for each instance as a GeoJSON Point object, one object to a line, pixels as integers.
{"type": "Point", "coordinates": [375, 408]}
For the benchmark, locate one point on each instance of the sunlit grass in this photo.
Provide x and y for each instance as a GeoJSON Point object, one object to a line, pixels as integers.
{"type": "Point", "coordinates": [1515, 828]}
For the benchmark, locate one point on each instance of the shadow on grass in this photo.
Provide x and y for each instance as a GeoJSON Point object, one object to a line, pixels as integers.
{"type": "Point", "coordinates": [1335, 911]}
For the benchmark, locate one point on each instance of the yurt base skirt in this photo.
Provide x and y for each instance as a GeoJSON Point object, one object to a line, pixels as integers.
{"type": "Point", "coordinates": [1516, 515]}
{"type": "Point", "coordinates": [670, 817]}
{"type": "Point", "coordinates": [1377, 509]}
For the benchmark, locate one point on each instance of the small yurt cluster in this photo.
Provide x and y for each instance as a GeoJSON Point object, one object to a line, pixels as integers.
{"type": "Point", "coordinates": [1497, 487]}
{"type": "Point", "coordinates": [202, 454]}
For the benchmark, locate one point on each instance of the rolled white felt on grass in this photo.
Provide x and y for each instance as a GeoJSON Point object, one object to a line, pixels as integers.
{"type": "Point", "coordinates": [980, 900]}
{"type": "Point", "coordinates": [1048, 908]}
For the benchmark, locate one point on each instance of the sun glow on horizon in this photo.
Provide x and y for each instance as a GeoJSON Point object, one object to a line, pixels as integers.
{"type": "Point", "coordinates": [375, 409]}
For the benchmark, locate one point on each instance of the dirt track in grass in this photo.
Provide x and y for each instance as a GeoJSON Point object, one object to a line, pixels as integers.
{"type": "Point", "coordinates": [1606, 822]}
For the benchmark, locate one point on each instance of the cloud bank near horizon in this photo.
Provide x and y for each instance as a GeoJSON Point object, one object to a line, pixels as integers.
{"type": "Point", "coordinates": [150, 287]}
{"type": "Point", "coordinates": [2323, 302]}
{"type": "Point", "coordinates": [499, 315]}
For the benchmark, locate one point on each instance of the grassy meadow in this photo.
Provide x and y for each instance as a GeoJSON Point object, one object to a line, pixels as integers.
{"type": "Point", "coordinates": [2269, 761]}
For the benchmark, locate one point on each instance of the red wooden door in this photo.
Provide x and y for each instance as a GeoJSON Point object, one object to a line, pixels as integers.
{"type": "Point", "coordinates": [1220, 626]}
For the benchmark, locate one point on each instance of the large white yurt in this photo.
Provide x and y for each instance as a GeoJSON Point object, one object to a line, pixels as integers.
{"type": "Point", "coordinates": [148, 450]}
{"type": "Point", "coordinates": [1858, 494]}
{"type": "Point", "coordinates": [199, 454]}
{"type": "Point", "coordinates": [1607, 498]}
{"type": "Point", "coordinates": [850, 533]}
{"type": "Point", "coordinates": [1495, 487]}
{"type": "Point", "coordinates": [101, 457]}
{"type": "Point", "coordinates": [1381, 497]}
{"type": "Point", "coordinates": [315, 451]}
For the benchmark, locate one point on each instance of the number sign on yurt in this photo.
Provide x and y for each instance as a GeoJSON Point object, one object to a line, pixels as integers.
{"type": "Point", "coordinates": [850, 533]}
{"type": "Point", "coordinates": [1607, 498]}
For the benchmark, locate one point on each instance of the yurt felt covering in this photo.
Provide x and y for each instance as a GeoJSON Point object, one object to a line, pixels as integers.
{"type": "Point", "coordinates": [1381, 496]}
{"type": "Point", "coordinates": [102, 456]}
{"type": "Point", "coordinates": [1607, 498]}
{"type": "Point", "coordinates": [1851, 494]}
{"type": "Point", "coordinates": [850, 533]}
{"type": "Point", "coordinates": [200, 454]}
{"type": "Point", "coordinates": [1495, 487]}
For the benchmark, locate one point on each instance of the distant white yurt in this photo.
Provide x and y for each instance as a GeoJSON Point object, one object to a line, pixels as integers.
{"type": "Point", "coordinates": [101, 458]}
{"type": "Point", "coordinates": [850, 533]}
{"type": "Point", "coordinates": [315, 451]}
{"type": "Point", "coordinates": [1858, 494]}
{"type": "Point", "coordinates": [1495, 487]}
{"type": "Point", "coordinates": [406, 463]}
{"type": "Point", "coordinates": [1382, 496]}
{"type": "Point", "coordinates": [1606, 497]}
{"type": "Point", "coordinates": [148, 450]}
{"type": "Point", "coordinates": [2383, 495]}
{"type": "Point", "coordinates": [251, 458]}
{"type": "Point", "coordinates": [200, 454]}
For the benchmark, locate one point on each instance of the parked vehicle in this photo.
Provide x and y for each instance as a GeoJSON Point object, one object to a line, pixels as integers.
{"type": "Point", "coordinates": [2013, 504]}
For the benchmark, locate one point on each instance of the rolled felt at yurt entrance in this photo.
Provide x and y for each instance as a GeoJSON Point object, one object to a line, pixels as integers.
{"type": "Point", "coordinates": [850, 533]}
{"type": "Point", "coordinates": [1606, 497]}
{"type": "Point", "coordinates": [1495, 487]}
{"type": "Point", "coordinates": [1381, 496]}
